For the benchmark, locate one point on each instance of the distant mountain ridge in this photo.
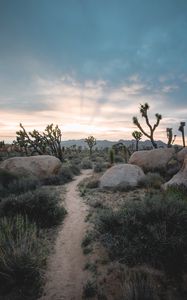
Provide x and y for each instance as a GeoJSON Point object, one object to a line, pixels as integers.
{"type": "Point", "coordinates": [107, 144]}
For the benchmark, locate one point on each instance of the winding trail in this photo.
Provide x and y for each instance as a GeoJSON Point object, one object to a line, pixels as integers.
{"type": "Point", "coordinates": [65, 275]}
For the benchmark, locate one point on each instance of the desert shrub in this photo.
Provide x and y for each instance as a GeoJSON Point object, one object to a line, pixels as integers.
{"type": "Point", "coordinates": [94, 157]}
{"type": "Point", "coordinates": [76, 161]}
{"type": "Point", "coordinates": [6, 178]}
{"type": "Point", "coordinates": [23, 185]}
{"type": "Point", "coordinates": [83, 190]}
{"type": "Point", "coordinates": [140, 284]}
{"type": "Point", "coordinates": [86, 164]}
{"type": "Point", "coordinates": [100, 159]}
{"type": "Point", "coordinates": [18, 186]}
{"type": "Point", "coordinates": [152, 180]}
{"type": "Point", "coordinates": [51, 180]}
{"type": "Point", "coordinates": [92, 267]}
{"type": "Point", "coordinates": [177, 192]}
{"type": "Point", "coordinates": [22, 257]}
{"type": "Point", "coordinates": [119, 159]}
{"type": "Point", "coordinates": [122, 187]}
{"type": "Point", "coordinates": [106, 165]}
{"type": "Point", "coordinates": [89, 290]}
{"type": "Point", "coordinates": [88, 239]}
{"type": "Point", "coordinates": [99, 167]}
{"type": "Point", "coordinates": [40, 207]}
{"type": "Point", "coordinates": [92, 184]}
{"type": "Point", "coordinates": [66, 174]}
{"type": "Point", "coordinates": [96, 203]}
{"type": "Point", "coordinates": [75, 169]}
{"type": "Point", "coordinates": [151, 231]}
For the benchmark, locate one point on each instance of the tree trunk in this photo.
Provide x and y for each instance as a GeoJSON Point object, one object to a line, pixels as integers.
{"type": "Point", "coordinates": [183, 138]}
{"type": "Point", "coordinates": [154, 144]}
{"type": "Point", "coordinates": [137, 145]}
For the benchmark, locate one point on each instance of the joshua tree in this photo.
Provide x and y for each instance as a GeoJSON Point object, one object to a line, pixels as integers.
{"type": "Point", "coordinates": [48, 142]}
{"type": "Point", "coordinates": [2, 144]}
{"type": "Point", "coordinates": [91, 142]}
{"type": "Point", "coordinates": [137, 135]}
{"type": "Point", "coordinates": [143, 110]}
{"type": "Point", "coordinates": [181, 129]}
{"type": "Point", "coordinates": [120, 148]}
{"type": "Point", "coordinates": [171, 138]}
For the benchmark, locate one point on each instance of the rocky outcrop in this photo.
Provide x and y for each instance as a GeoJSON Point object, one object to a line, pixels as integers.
{"type": "Point", "coordinates": [153, 160]}
{"type": "Point", "coordinates": [38, 166]}
{"type": "Point", "coordinates": [122, 176]}
{"type": "Point", "coordinates": [180, 178]}
{"type": "Point", "coordinates": [181, 154]}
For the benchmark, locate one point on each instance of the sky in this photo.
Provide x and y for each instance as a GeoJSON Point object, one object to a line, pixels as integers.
{"type": "Point", "coordinates": [87, 65]}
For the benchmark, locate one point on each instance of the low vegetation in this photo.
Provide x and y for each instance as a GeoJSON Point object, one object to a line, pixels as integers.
{"type": "Point", "coordinates": [23, 255]}
{"type": "Point", "coordinates": [27, 210]}
{"type": "Point", "coordinates": [41, 207]}
{"type": "Point", "coordinates": [86, 164]}
{"type": "Point", "coordinates": [152, 231]}
{"type": "Point", "coordinates": [13, 184]}
{"type": "Point", "coordinates": [89, 290]}
{"type": "Point", "coordinates": [144, 234]}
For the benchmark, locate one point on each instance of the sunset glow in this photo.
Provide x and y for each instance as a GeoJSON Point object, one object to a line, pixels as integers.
{"type": "Point", "coordinates": [87, 69]}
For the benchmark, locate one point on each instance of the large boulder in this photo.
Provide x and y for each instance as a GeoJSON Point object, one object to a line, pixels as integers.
{"type": "Point", "coordinates": [181, 154]}
{"type": "Point", "coordinates": [37, 166]}
{"type": "Point", "coordinates": [153, 160]}
{"type": "Point", "coordinates": [180, 178]}
{"type": "Point", "coordinates": [122, 176]}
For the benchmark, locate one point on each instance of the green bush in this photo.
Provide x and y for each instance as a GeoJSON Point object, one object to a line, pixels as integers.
{"type": "Point", "coordinates": [89, 290]}
{"type": "Point", "coordinates": [23, 185]}
{"type": "Point", "coordinates": [76, 161]}
{"type": "Point", "coordinates": [51, 180]}
{"type": "Point", "coordinates": [152, 180]}
{"type": "Point", "coordinates": [75, 169]}
{"type": "Point", "coordinates": [177, 192]}
{"type": "Point", "coordinates": [88, 239]}
{"type": "Point", "coordinates": [119, 159]}
{"type": "Point", "coordinates": [140, 284]}
{"type": "Point", "coordinates": [6, 178]}
{"type": "Point", "coordinates": [151, 231]}
{"type": "Point", "coordinates": [92, 184]}
{"type": "Point", "coordinates": [86, 164]}
{"type": "Point", "coordinates": [40, 207]}
{"type": "Point", "coordinates": [12, 184]}
{"type": "Point", "coordinates": [22, 258]}
{"type": "Point", "coordinates": [66, 174]}
{"type": "Point", "coordinates": [99, 167]}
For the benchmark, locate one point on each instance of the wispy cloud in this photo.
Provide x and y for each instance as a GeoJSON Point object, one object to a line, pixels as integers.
{"type": "Point", "coordinates": [89, 107]}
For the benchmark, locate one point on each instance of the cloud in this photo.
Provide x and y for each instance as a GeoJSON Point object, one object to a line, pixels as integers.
{"type": "Point", "coordinates": [89, 107]}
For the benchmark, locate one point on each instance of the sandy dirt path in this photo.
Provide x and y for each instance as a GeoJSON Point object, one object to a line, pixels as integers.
{"type": "Point", "coordinates": [65, 275]}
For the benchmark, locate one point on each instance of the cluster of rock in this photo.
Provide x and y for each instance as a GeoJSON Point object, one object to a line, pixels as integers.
{"type": "Point", "coordinates": [163, 160]}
